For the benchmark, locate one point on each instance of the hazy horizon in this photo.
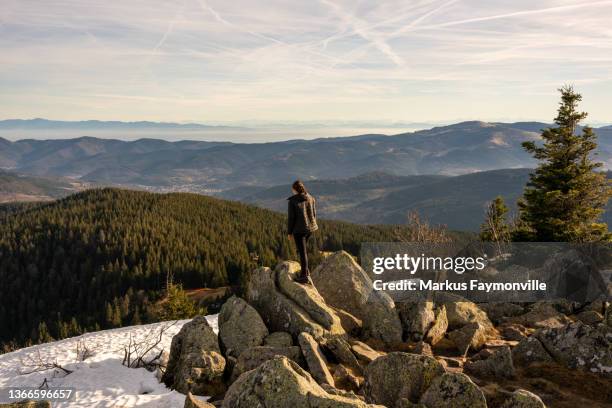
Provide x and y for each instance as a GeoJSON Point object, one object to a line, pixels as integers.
{"type": "Point", "coordinates": [239, 132]}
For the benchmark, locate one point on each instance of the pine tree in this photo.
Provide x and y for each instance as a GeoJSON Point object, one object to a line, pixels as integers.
{"type": "Point", "coordinates": [177, 305]}
{"type": "Point", "coordinates": [495, 227]}
{"type": "Point", "coordinates": [566, 195]}
{"type": "Point", "coordinates": [43, 333]}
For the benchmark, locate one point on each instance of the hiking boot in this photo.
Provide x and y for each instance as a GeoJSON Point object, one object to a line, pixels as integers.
{"type": "Point", "coordinates": [304, 279]}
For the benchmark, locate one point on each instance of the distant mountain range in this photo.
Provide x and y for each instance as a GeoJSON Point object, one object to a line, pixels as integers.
{"type": "Point", "coordinates": [85, 125]}
{"type": "Point", "coordinates": [448, 150]}
{"type": "Point", "coordinates": [456, 201]}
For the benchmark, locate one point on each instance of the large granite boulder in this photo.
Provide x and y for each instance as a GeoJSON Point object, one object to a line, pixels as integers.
{"type": "Point", "coordinates": [581, 346]}
{"type": "Point", "coordinates": [253, 357]}
{"type": "Point", "coordinates": [453, 390]}
{"type": "Point", "coordinates": [315, 360]}
{"type": "Point", "coordinates": [279, 312]}
{"type": "Point", "coordinates": [530, 350]}
{"type": "Point", "coordinates": [281, 383]}
{"type": "Point", "coordinates": [498, 365]}
{"type": "Point", "coordinates": [439, 327]}
{"type": "Point", "coordinates": [399, 375]}
{"type": "Point", "coordinates": [240, 327]}
{"type": "Point", "coordinates": [460, 311]}
{"type": "Point", "coordinates": [416, 318]}
{"type": "Point", "coordinates": [307, 297]}
{"type": "Point", "coordinates": [541, 315]}
{"type": "Point", "coordinates": [471, 336]}
{"type": "Point", "coordinates": [195, 364]}
{"type": "Point", "coordinates": [345, 285]}
{"type": "Point", "coordinates": [278, 339]}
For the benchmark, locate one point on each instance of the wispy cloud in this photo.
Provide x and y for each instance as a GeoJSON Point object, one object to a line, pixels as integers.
{"type": "Point", "coordinates": [214, 60]}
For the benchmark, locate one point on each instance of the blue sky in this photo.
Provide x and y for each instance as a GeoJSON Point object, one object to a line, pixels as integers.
{"type": "Point", "coordinates": [322, 60]}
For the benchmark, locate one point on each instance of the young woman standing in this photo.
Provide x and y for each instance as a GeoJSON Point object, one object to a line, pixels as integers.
{"type": "Point", "coordinates": [302, 222]}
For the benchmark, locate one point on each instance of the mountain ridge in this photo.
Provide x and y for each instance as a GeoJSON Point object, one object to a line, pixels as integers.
{"type": "Point", "coordinates": [461, 148]}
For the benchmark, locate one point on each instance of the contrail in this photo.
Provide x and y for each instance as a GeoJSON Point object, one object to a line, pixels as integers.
{"type": "Point", "coordinates": [170, 28]}
{"type": "Point", "coordinates": [500, 16]}
{"type": "Point", "coordinates": [375, 40]}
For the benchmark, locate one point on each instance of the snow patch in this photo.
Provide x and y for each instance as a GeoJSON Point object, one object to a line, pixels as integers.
{"type": "Point", "coordinates": [101, 380]}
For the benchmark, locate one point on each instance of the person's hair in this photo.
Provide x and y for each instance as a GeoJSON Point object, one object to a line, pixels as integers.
{"type": "Point", "coordinates": [299, 187]}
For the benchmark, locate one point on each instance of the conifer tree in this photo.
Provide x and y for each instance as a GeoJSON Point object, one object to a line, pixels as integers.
{"type": "Point", "coordinates": [178, 305]}
{"type": "Point", "coordinates": [495, 227]}
{"type": "Point", "coordinates": [566, 194]}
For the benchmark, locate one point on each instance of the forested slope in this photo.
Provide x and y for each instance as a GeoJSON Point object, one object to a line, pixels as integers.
{"type": "Point", "coordinates": [100, 258]}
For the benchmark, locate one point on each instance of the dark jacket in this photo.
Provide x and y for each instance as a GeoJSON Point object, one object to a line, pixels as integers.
{"type": "Point", "coordinates": [302, 214]}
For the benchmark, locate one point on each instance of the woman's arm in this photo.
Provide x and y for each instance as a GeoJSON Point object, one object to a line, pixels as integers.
{"type": "Point", "coordinates": [290, 217]}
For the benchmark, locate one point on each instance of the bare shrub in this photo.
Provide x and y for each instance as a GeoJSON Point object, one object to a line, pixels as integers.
{"type": "Point", "coordinates": [417, 229]}
{"type": "Point", "coordinates": [34, 363]}
{"type": "Point", "coordinates": [83, 351]}
{"type": "Point", "coordinates": [146, 352]}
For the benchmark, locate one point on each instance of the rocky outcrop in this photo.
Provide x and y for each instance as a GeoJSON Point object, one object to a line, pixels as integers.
{"type": "Point", "coordinates": [399, 375]}
{"type": "Point", "coordinates": [416, 318]}
{"type": "Point", "coordinates": [307, 297]}
{"type": "Point", "coordinates": [345, 285]}
{"type": "Point", "coordinates": [315, 360]}
{"type": "Point", "coordinates": [280, 313]}
{"type": "Point", "coordinates": [256, 356]}
{"type": "Point", "coordinates": [498, 365]}
{"type": "Point", "coordinates": [523, 399]}
{"type": "Point", "coordinates": [581, 346]}
{"type": "Point", "coordinates": [195, 364]}
{"type": "Point", "coordinates": [453, 390]}
{"type": "Point", "coordinates": [240, 327]}
{"type": "Point", "coordinates": [193, 402]}
{"type": "Point", "coordinates": [281, 383]}
{"type": "Point", "coordinates": [27, 404]}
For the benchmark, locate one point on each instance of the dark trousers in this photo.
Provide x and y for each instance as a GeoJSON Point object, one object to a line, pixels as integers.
{"type": "Point", "coordinates": [301, 243]}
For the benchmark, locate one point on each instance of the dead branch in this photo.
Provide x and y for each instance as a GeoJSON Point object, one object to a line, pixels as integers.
{"type": "Point", "coordinates": [137, 353]}
{"type": "Point", "coordinates": [36, 364]}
